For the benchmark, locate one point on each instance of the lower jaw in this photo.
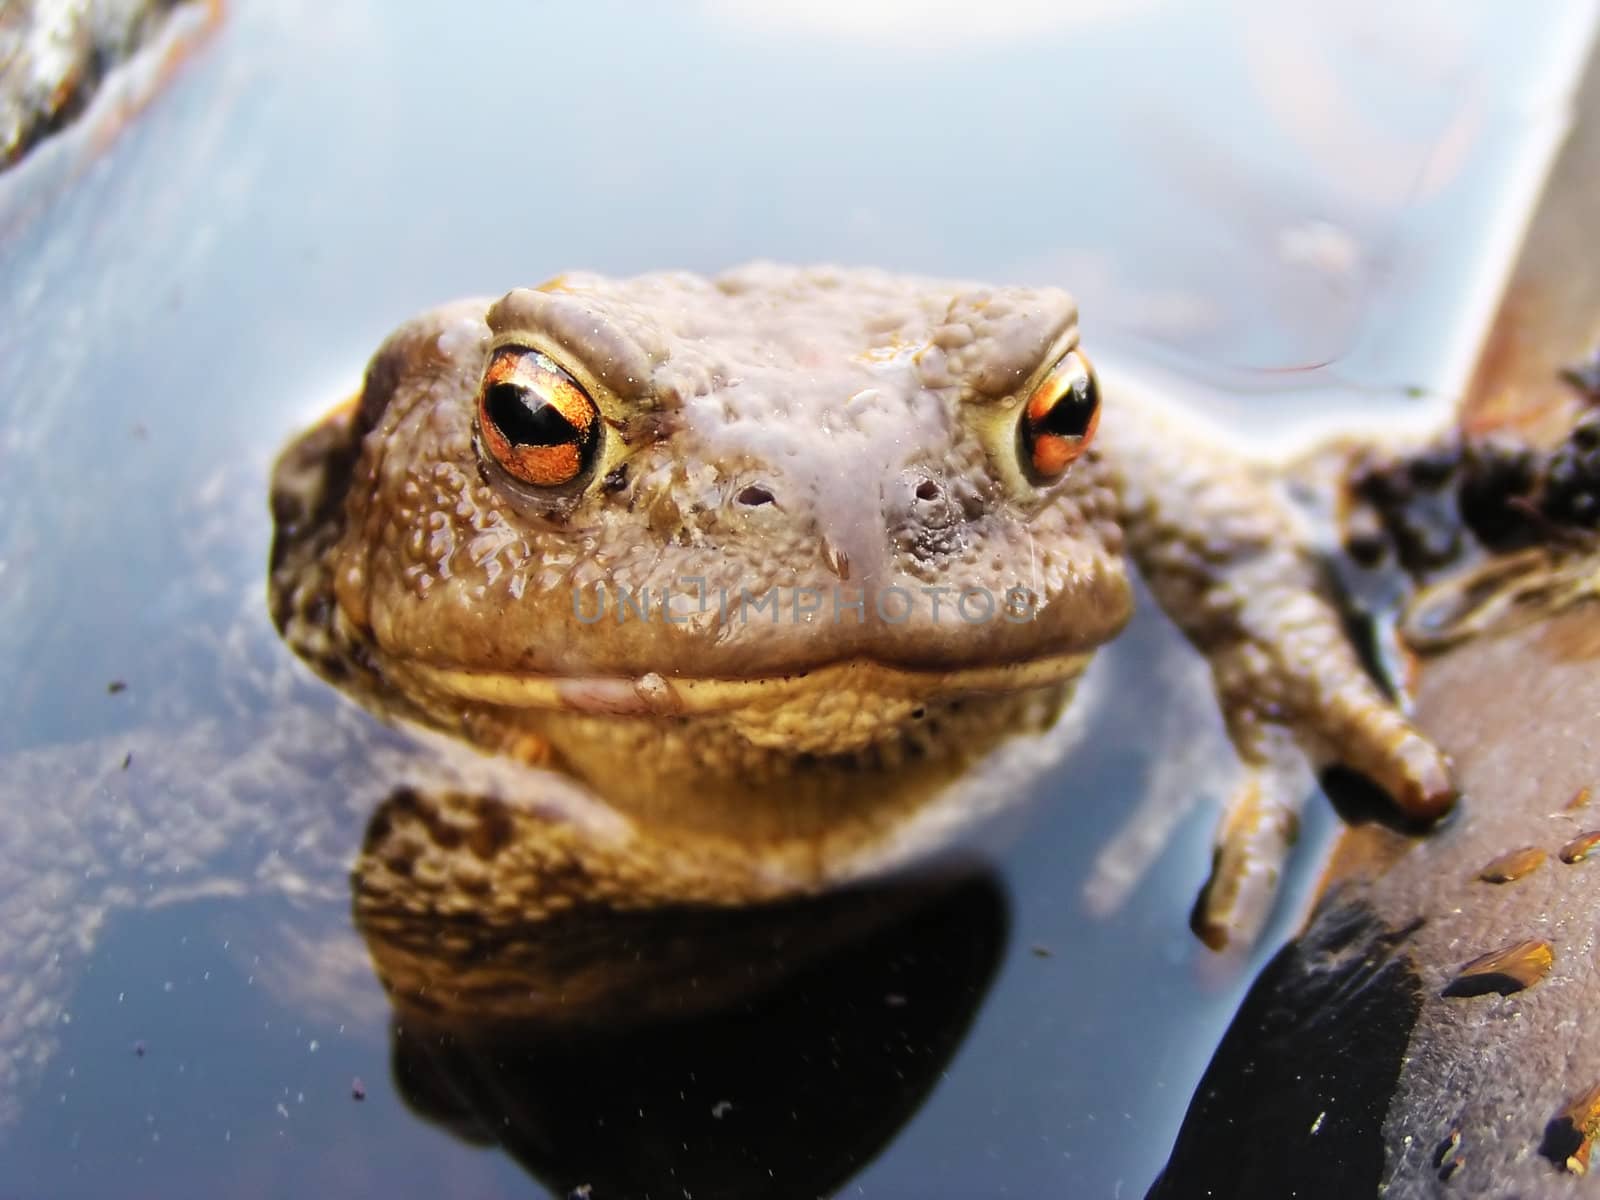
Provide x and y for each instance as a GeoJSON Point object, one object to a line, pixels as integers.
{"type": "Point", "coordinates": [708, 775]}
{"type": "Point", "coordinates": [748, 703]}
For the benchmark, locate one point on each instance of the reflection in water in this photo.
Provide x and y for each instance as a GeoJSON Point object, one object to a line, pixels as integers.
{"type": "Point", "coordinates": [752, 1052]}
{"type": "Point", "coordinates": [599, 959]}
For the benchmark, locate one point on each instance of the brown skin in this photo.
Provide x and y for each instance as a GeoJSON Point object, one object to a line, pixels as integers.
{"type": "Point", "coordinates": [842, 433]}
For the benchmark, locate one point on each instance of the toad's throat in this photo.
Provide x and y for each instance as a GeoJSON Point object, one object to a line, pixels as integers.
{"type": "Point", "coordinates": [653, 694]}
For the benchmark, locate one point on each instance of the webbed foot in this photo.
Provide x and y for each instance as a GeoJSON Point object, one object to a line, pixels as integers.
{"type": "Point", "coordinates": [1293, 681]}
{"type": "Point", "coordinates": [1233, 562]}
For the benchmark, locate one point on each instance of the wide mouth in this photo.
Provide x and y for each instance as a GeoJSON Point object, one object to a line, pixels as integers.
{"type": "Point", "coordinates": [658, 695]}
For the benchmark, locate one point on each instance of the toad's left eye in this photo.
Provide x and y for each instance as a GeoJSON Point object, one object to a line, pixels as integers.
{"type": "Point", "coordinates": [535, 420]}
{"type": "Point", "coordinates": [1059, 420]}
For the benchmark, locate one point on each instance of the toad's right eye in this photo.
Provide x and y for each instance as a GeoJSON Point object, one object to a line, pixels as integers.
{"type": "Point", "coordinates": [536, 420]}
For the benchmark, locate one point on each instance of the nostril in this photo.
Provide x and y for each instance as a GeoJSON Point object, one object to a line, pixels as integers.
{"type": "Point", "coordinates": [755, 496]}
{"type": "Point", "coordinates": [924, 515]}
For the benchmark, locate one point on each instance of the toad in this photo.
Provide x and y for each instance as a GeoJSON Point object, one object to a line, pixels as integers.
{"type": "Point", "coordinates": [745, 570]}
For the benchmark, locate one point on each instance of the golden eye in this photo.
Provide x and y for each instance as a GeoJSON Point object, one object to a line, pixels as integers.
{"type": "Point", "coordinates": [535, 419]}
{"type": "Point", "coordinates": [1059, 420]}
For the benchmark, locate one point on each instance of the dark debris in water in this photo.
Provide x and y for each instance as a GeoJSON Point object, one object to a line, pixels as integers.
{"type": "Point", "coordinates": [1479, 530]}
{"type": "Point", "coordinates": [116, 687]}
{"type": "Point", "coordinates": [1572, 481]}
{"type": "Point", "coordinates": [1503, 495]}
{"type": "Point", "coordinates": [1585, 376]}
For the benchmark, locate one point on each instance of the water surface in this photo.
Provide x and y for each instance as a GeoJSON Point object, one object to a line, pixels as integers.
{"type": "Point", "coordinates": [1306, 212]}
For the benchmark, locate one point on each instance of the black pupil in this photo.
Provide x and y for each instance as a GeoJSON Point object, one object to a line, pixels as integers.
{"type": "Point", "coordinates": [525, 418]}
{"type": "Point", "coordinates": [1071, 414]}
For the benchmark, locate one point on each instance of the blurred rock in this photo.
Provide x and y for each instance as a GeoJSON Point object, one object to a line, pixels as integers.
{"type": "Point", "coordinates": [1430, 1032]}
{"type": "Point", "coordinates": [54, 54]}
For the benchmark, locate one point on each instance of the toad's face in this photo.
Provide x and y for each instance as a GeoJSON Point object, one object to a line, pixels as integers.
{"type": "Point", "coordinates": [804, 505]}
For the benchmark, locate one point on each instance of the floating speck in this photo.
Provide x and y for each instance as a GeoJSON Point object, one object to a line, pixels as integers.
{"type": "Point", "coordinates": [1447, 1148]}
{"type": "Point", "coordinates": [116, 687]}
{"type": "Point", "coordinates": [1040, 950]}
{"type": "Point", "coordinates": [1580, 847]}
{"type": "Point", "coordinates": [1580, 799]}
{"type": "Point", "coordinates": [721, 1109]}
{"type": "Point", "coordinates": [1504, 971]}
{"type": "Point", "coordinates": [138, 1049]}
{"type": "Point", "coordinates": [127, 760]}
{"type": "Point", "coordinates": [1569, 1137]}
{"type": "Point", "coordinates": [358, 1090]}
{"type": "Point", "coordinates": [1513, 865]}
{"type": "Point", "coordinates": [1447, 1159]}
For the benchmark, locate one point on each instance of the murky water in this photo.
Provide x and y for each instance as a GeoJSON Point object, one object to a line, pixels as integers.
{"type": "Point", "coordinates": [1309, 212]}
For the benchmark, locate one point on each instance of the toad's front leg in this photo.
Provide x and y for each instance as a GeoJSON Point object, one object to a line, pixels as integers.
{"type": "Point", "coordinates": [1231, 562]}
